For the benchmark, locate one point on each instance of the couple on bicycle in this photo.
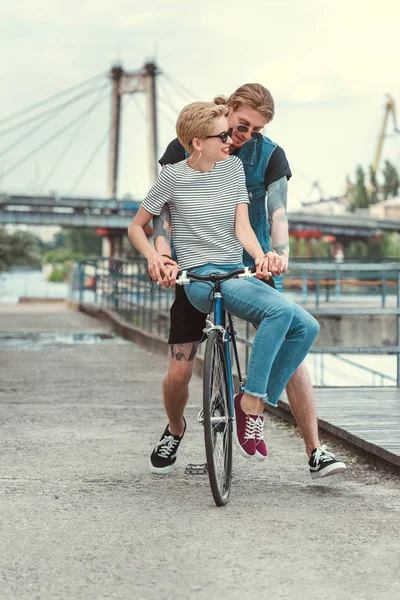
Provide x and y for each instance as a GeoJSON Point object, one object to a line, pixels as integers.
{"type": "Point", "coordinates": [217, 174]}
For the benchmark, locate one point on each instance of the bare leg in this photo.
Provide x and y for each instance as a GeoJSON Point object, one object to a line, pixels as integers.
{"type": "Point", "coordinates": [176, 384]}
{"type": "Point", "coordinates": [252, 405]}
{"type": "Point", "coordinates": [301, 398]}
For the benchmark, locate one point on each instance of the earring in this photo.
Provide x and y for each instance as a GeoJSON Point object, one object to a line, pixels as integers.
{"type": "Point", "coordinates": [194, 163]}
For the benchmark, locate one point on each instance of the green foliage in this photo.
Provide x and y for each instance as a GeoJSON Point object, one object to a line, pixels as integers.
{"type": "Point", "coordinates": [60, 256]}
{"type": "Point", "coordinates": [83, 241]}
{"type": "Point", "coordinates": [75, 242]}
{"type": "Point", "coordinates": [19, 248]}
{"type": "Point", "coordinates": [57, 275]}
{"type": "Point", "coordinates": [391, 181]}
{"type": "Point", "coordinates": [386, 246]}
{"type": "Point", "coordinates": [362, 195]}
{"type": "Point", "coordinates": [373, 187]}
{"type": "Point", "coordinates": [359, 195]}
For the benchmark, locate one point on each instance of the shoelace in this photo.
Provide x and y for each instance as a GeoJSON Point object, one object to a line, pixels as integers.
{"type": "Point", "coordinates": [259, 429]}
{"type": "Point", "coordinates": [322, 455]}
{"type": "Point", "coordinates": [251, 426]}
{"type": "Point", "coordinates": [166, 445]}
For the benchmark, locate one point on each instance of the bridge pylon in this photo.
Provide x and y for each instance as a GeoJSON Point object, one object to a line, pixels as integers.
{"type": "Point", "coordinates": [134, 82]}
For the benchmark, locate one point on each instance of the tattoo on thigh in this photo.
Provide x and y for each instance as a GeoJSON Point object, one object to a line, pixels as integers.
{"type": "Point", "coordinates": [184, 351]}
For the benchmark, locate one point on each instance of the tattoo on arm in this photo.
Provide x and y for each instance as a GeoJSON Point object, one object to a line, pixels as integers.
{"type": "Point", "coordinates": [162, 227]}
{"type": "Point", "coordinates": [282, 249]}
{"type": "Point", "coordinates": [184, 351]}
{"type": "Point", "coordinates": [279, 226]}
{"type": "Point", "coordinates": [277, 197]}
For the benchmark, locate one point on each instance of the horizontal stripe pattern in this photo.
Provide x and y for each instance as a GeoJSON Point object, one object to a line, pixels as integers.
{"type": "Point", "coordinates": [202, 209]}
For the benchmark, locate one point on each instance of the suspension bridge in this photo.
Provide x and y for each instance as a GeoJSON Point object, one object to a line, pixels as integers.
{"type": "Point", "coordinates": [62, 132]}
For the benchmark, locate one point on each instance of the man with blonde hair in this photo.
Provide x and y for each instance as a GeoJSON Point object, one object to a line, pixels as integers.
{"type": "Point", "coordinates": [267, 173]}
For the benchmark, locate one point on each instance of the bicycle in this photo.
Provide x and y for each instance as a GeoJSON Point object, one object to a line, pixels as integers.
{"type": "Point", "coordinates": [217, 415]}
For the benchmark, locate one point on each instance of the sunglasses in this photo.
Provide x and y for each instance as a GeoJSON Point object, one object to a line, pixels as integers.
{"type": "Point", "coordinates": [222, 136]}
{"type": "Point", "coordinates": [256, 135]}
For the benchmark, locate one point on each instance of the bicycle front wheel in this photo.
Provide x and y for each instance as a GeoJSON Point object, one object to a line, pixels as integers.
{"type": "Point", "coordinates": [217, 421]}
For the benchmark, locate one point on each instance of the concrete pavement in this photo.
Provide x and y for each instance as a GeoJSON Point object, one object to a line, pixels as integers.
{"type": "Point", "coordinates": [81, 517]}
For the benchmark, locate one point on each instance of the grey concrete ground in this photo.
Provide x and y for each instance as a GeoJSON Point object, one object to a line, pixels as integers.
{"type": "Point", "coordinates": [81, 517]}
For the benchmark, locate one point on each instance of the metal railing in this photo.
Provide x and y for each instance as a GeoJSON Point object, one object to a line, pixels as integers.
{"type": "Point", "coordinates": [337, 282]}
{"type": "Point", "coordinates": [124, 286]}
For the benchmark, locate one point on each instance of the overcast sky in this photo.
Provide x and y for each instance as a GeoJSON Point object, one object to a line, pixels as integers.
{"type": "Point", "coordinates": [328, 66]}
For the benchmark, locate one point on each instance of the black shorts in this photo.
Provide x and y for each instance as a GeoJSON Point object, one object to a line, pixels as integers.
{"type": "Point", "coordinates": [186, 322]}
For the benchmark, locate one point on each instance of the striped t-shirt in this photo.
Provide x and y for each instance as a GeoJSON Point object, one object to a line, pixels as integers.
{"type": "Point", "coordinates": [202, 207]}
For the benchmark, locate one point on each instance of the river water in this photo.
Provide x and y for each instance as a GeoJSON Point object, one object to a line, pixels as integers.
{"type": "Point", "coordinates": [325, 369]}
{"type": "Point", "coordinates": [28, 283]}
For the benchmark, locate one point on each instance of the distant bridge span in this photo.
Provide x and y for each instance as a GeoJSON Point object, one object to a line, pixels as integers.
{"type": "Point", "coordinates": [115, 214]}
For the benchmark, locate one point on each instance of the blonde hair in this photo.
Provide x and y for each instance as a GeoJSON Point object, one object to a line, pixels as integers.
{"type": "Point", "coordinates": [254, 95]}
{"type": "Point", "coordinates": [196, 121]}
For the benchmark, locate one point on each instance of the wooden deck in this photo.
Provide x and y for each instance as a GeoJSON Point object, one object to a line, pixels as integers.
{"type": "Point", "coordinates": [366, 417]}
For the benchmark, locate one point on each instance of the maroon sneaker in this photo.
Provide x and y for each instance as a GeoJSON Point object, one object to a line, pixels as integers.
{"type": "Point", "coordinates": [244, 430]}
{"type": "Point", "coordinates": [261, 448]}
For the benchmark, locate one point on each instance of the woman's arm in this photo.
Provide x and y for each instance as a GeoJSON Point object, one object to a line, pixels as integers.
{"type": "Point", "coordinates": [248, 239]}
{"type": "Point", "coordinates": [155, 261]}
{"type": "Point", "coordinates": [276, 204]}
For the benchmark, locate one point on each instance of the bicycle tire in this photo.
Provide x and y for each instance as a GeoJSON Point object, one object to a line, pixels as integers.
{"type": "Point", "coordinates": [217, 436]}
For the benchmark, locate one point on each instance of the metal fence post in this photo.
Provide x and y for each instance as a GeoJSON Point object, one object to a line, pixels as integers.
{"type": "Point", "coordinates": [337, 286]}
{"type": "Point", "coordinates": [304, 287]}
{"type": "Point", "coordinates": [96, 277]}
{"type": "Point", "coordinates": [398, 330]}
{"type": "Point", "coordinates": [81, 280]}
{"type": "Point", "coordinates": [317, 282]}
{"type": "Point", "coordinates": [383, 289]}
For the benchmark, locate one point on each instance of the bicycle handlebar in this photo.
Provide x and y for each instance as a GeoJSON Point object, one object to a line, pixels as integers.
{"type": "Point", "coordinates": [185, 277]}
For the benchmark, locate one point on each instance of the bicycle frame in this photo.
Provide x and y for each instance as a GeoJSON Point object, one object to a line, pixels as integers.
{"type": "Point", "coordinates": [229, 334]}
{"type": "Point", "coordinates": [229, 338]}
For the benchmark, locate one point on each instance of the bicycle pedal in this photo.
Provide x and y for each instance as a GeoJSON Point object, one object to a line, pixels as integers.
{"type": "Point", "coordinates": [200, 469]}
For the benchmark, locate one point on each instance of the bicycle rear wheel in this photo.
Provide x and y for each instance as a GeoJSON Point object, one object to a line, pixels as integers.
{"type": "Point", "coordinates": [216, 419]}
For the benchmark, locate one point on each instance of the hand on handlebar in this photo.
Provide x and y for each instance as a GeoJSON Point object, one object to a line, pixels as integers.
{"type": "Point", "coordinates": [275, 263]}
{"type": "Point", "coordinates": [263, 270]}
{"type": "Point", "coordinates": [163, 270]}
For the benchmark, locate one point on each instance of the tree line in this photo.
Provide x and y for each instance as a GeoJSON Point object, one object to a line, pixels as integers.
{"type": "Point", "coordinates": [368, 190]}
{"type": "Point", "coordinates": [23, 248]}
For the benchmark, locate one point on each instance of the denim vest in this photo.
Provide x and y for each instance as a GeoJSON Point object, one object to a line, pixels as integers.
{"type": "Point", "coordinates": [255, 156]}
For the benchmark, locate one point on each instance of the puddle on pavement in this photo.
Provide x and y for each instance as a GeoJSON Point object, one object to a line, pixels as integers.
{"type": "Point", "coordinates": [41, 341]}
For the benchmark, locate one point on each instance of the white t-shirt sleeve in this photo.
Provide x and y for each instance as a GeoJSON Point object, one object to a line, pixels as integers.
{"type": "Point", "coordinates": [243, 195]}
{"type": "Point", "coordinates": [161, 192]}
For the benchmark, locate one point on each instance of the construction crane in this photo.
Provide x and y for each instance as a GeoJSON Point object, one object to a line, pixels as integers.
{"type": "Point", "coordinates": [390, 108]}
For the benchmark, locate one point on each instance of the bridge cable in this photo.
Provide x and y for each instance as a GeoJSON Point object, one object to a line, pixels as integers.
{"type": "Point", "coordinates": [188, 92]}
{"type": "Point", "coordinates": [166, 115]}
{"type": "Point", "coordinates": [55, 109]}
{"type": "Point", "coordinates": [50, 139]}
{"type": "Point", "coordinates": [168, 100]}
{"type": "Point", "coordinates": [42, 122]}
{"type": "Point", "coordinates": [65, 149]}
{"type": "Point", "coordinates": [42, 102]}
{"type": "Point", "coordinates": [138, 107]}
{"type": "Point", "coordinates": [91, 159]}
{"type": "Point", "coordinates": [94, 154]}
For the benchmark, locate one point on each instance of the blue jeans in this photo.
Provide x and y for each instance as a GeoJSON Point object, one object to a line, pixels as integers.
{"type": "Point", "coordinates": [285, 331]}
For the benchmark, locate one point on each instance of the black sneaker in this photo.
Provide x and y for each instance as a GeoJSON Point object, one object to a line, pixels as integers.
{"type": "Point", "coordinates": [163, 457]}
{"type": "Point", "coordinates": [322, 463]}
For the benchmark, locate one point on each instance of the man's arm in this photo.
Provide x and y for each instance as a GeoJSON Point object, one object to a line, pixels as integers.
{"type": "Point", "coordinates": [276, 205]}
{"type": "Point", "coordinates": [162, 225]}
{"type": "Point", "coordinates": [162, 231]}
